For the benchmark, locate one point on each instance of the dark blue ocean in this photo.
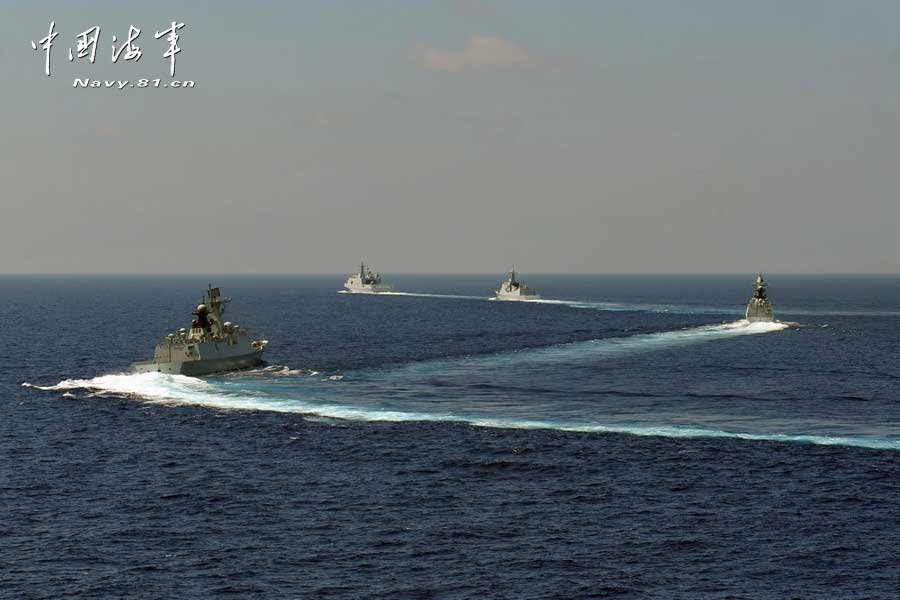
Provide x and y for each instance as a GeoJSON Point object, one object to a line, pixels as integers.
{"type": "Point", "coordinates": [632, 439]}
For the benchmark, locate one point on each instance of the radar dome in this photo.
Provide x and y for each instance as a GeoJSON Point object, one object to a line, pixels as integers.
{"type": "Point", "coordinates": [201, 308]}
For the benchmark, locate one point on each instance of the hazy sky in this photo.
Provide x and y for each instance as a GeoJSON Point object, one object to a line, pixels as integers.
{"type": "Point", "coordinates": [456, 136]}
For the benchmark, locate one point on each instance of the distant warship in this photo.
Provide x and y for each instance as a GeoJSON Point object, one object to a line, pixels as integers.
{"type": "Point", "coordinates": [212, 346]}
{"type": "Point", "coordinates": [759, 309]}
{"type": "Point", "coordinates": [513, 289]}
{"type": "Point", "coordinates": [366, 282]}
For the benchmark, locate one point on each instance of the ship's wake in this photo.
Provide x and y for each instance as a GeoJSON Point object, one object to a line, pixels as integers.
{"type": "Point", "coordinates": [394, 393]}
{"type": "Point", "coordinates": [174, 389]}
{"type": "Point", "coordinates": [645, 307]}
{"type": "Point", "coordinates": [422, 295]}
{"type": "Point", "coordinates": [594, 350]}
{"type": "Point", "coordinates": [587, 304]}
{"type": "Point", "coordinates": [642, 307]}
{"type": "Point", "coordinates": [148, 386]}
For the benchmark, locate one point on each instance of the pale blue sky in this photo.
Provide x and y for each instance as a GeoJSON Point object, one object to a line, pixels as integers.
{"type": "Point", "coordinates": [457, 136]}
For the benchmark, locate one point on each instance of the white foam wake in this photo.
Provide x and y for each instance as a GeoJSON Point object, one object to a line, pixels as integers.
{"type": "Point", "coordinates": [160, 386]}
{"type": "Point", "coordinates": [345, 402]}
{"type": "Point", "coordinates": [608, 306]}
{"type": "Point", "coordinates": [655, 308]}
{"type": "Point", "coordinates": [149, 386]}
{"type": "Point", "coordinates": [664, 340]}
{"type": "Point", "coordinates": [677, 431]}
{"type": "Point", "coordinates": [421, 295]}
{"type": "Point", "coordinates": [177, 389]}
{"type": "Point", "coordinates": [180, 389]}
{"type": "Point", "coordinates": [414, 295]}
{"type": "Point", "coordinates": [609, 347]}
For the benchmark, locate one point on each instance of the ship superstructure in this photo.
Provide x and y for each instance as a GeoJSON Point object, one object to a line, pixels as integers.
{"type": "Point", "coordinates": [759, 309]}
{"type": "Point", "coordinates": [212, 345]}
{"type": "Point", "coordinates": [513, 289]}
{"type": "Point", "coordinates": [366, 281]}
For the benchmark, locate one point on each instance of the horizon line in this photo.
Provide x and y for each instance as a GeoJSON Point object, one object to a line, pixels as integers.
{"type": "Point", "coordinates": [433, 273]}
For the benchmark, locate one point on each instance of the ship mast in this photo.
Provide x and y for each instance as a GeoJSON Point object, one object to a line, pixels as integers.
{"type": "Point", "coordinates": [760, 287]}
{"type": "Point", "coordinates": [217, 308]}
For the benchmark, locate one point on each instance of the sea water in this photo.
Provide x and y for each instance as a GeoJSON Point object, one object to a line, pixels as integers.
{"type": "Point", "coordinates": [627, 436]}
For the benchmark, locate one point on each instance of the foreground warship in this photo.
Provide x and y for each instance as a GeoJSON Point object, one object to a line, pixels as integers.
{"type": "Point", "coordinates": [759, 309]}
{"type": "Point", "coordinates": [211, 346]}
{"type": "Point", "coordinates": [513, 289]}
{"type": "Point", "coordinates": [366, 282]}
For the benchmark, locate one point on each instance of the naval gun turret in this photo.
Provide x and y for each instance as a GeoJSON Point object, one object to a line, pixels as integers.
{"type": "Point", "coordinates": [212, 345]}
{"type": "Point", "coordinates": [759, 309]}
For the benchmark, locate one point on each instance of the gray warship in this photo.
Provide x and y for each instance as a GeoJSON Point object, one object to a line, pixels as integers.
{"type": "Point", "coordinates": [366, 281]}
{"type": "Point", "coordinates": [759, 309]}
{"type": "Point", "coordinates": [513, 289]}
{"type": "Point", "coordinates": [211, 346]}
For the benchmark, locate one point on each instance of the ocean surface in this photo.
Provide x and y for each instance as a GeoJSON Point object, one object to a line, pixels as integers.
{"type": "Point", "coordinates": [630, 437]}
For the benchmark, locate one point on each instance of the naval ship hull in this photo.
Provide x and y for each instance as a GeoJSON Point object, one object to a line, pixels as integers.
{"type": "Point", "coordinates": [369, 289]}
{"type": "Point", "coordinates": [517, 298]}
{"type": "Point", "coordinates": [198, 367]}
{"type": "Point", "coordinates": [759, 312]}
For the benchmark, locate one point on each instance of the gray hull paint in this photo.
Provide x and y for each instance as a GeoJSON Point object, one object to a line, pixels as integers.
{"type": "Point", "coordinates": [366, 281]}
{"type": "Point", "coordinates": [212, 346]}
{"type": "Point", "coordinates": [516, 297]}
{"type": "Point", "coordinates": [513, 289]}
{"type": "Point", "coordinates": [202, 366]}
{"type": "Point", "coordinates": [378, 288]}
{"type": "Point", "coordinates": [759, 311]}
